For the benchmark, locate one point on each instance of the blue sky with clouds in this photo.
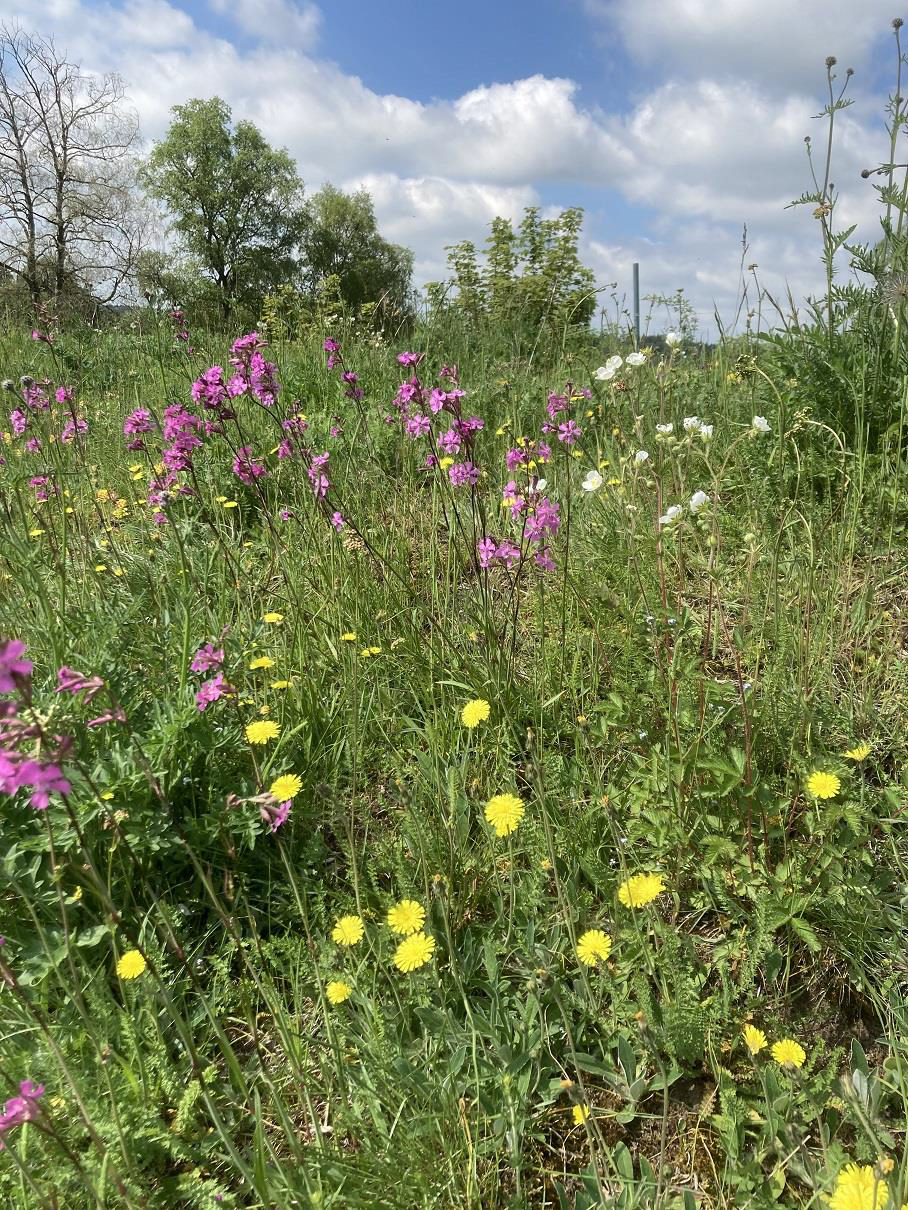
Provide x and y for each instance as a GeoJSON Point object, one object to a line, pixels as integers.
{"type": "Point", "coordinates": [672, 122]}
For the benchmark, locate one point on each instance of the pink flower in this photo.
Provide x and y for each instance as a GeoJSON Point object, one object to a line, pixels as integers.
{"type": "Point", "coordinates": [206, 658]}
{"type": "Point", "coordinates": [69, 681]}
{"type": "Point", "coordinates": [23, 1108]}
{"type": "Point", "coordinates": [211, 691]}
{"type": "Point", "coordinates": [13, 670]}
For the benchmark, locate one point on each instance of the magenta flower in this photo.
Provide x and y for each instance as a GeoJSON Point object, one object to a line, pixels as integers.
{"type": "Point", "coordinates": [70, 681]}
{"type": "Point", "coordinates": [206, 658]}
{"type": "Point", "coordinates": [45, 779]}
{"type": "Point", "coordinates": [449, 442]}
{"type": "Point", "coordinates": [115, 715]}
{"type": "Point", "coordinates": [13, 670]}
{"type": "Point", "coordinates": [275, 814]}
{"type": "Point", "coordinates": [211, 691]}
{"type": "Point", "coordinates": [331, 346]}
{"type": "Point", "coordinates": [74, 426]}
{"type": "Point", "coordinates": [19, 422]}
{"type": "Point", "coordinates": [410, 359]}
{"type": "Point", "coordinates": [568, 432]}
{"type": "Point", "coordinates": [23, 1108]}
{"type": "Point", "coordinates": [246, 468]}
{"type": "Point", "coordinates": [138, 421]}
{"type": "Point", "coordinates": [417, 426]}
{"type": "Point", "coordinates": [337, 520]}
{"type": "Point", "coordinates": [462, 474]}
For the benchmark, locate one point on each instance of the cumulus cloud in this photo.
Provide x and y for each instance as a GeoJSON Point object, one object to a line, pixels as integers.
{"type": "Point", "coordinates": [279, 21]}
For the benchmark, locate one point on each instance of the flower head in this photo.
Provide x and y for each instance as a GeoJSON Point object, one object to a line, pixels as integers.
{"type": "Point", "coordinates": [261, 732]}
{"type": "Point", "coordinates": [131, 965]}
{"type": "Point", "coordinates": [859, 1188]}
{"type": "Point", "coordinates": [760, 424]}
{"type": "Point", "coordinates": [823, 785]}
{"type": "Point", "coordinates": [348, 930]}
{"type": "Point", "coordinates": [593, 946]}
{"type": "Point", "coordinates": [414, 952]}
{"type": "Point", "coordinates": [262, 661]}
{"type": "Point", "coordinates": [474, 712]}
{"type": "Point", "coordinates": [592, 482]}
{"type": "Point", "coordinates": [285, 787]}
{"type": "Point", "coordinates": [788, 1053]}
{"type": "Point", "coordinates": [861, 752]}
{"type": "Point", "coordinates": [754, 1039]}
{"type": "Point", "coordinates": [640, 889]}
{"type": "Point", "coordinates": [406, 917]}
{"type": "Point", "coordinates": [698, 502]}
{"type": "Point", "coordinates": [504, 812]}
{"type": "Point", "coordinates": [580, 1113]}
{"type": "Point", "coordinates": [273, 618]}
{"type": "Point", "coordinates": [337, 991]}
{"type": "Point", "coordinates": [636, 359]}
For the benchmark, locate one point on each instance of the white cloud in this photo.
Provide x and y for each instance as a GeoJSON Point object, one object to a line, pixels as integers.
{"type": "Point", "coordinates": [287, 22]}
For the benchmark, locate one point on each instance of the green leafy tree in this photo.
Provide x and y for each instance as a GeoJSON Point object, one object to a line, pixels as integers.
{"type": "Point", "coordinates": [340, 238]}
{"type": "Point", "coordinates": [236, 203]}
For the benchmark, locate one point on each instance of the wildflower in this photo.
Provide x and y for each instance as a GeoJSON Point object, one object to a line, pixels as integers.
{"type": "Point", "coordinates": [211, 691]}
{"type": "Point", "coordinates": [569, 432]}
{"type": "Point", "coordinates": [131, 965]}
{"type": "Point", "coordinates": [22, 1108]}
{"type": "Point", "coordinates": [275, 815]}
{"type": "Point", "coordinates": [262, 661]}
{"type": "Point", "coordinates": [337, 991]}
{"type": "Point", "coordinates": [788, 1053]}
{"type": "Point", "coordinates": [206, 658]}
{"type": "Point", "coordinates": [859, 1188]}
{"type": "Point", "coordinates": [673, 338]}
{"type": "Point", "coordinates": [823, 785]}
{"type": "Point", "coordinates": [406, 917]}
{"type": "Point", "coordinates": [504, 812]}
{"type": "Point", "coordinates": [759, 424]}
{"type": "Point", "coordinates": [280, 684]}
{"type": "Point", "coordinates": [636, 359]}
{"type": "Point", "coordinates": [273, 619]}
{"type": "Point", "coordinates": [640, 457]}
{"type": "Point", "coordinates": [665, 430]}
{"type": "Point", "coordinates": [754, 1039]}
{"type": "Point", "coordinates": [861, 752]}
{"type": "Point", "coordinates": [698, 501]}
{"type": "Point", "coordinates": [414, 952]}
{"type": "Point", "coordinates": [593, 946]}
{"type": "Point", "coordinates": [672, 513]}
{"type": "Point", "coordinates": [13, 670]}
{"type": "Point", "coordinates": [690, 423]}
{"type": "Point", "coordinates": [285, 787]}
{"type": "Point", "coordinates": [261, 732]}
{"type": "Point", "coordinates": [338, 520]}
{"type": "Point", "coordinates": [347, 931]}
{"type": "Point", "coordinates": [580, 1113]}
{"type": "Point", "coordinates": [592, 482]}
{"type": "Point", "coordinates": [641, 889]}
{"type": "Point", "coordinates": [349, 636]}
{"type": "Point", "coordinates": [474, 712]}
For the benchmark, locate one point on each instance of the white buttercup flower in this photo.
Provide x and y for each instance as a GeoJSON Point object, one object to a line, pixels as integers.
{"type": "Point", "coordinates": [640, 457]}
{"type": "Point", "coordinates": [604, 373]}
{"type": "Point", "coordinates": [636, 359]}
{"type": "Point", "coordinates": [673, 338]}
{"type": "Point", "coordinates": [690, 422]}
{"type": "Point", "coordinates": [615, 362]}
{"type": "Point", "coordinates": [760, 424]}
{"type": "Point", "coordinates": [697, 501]}
{"type": "Point", "coordinates": [671, 514]}
{"type": "Point", "coordinates": [592, 482]}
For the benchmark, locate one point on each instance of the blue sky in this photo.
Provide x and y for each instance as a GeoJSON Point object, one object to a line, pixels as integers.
{"type": "Point", "coordinates": [672, 124]}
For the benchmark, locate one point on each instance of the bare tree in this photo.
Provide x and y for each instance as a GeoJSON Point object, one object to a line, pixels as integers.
{"type": "Point", "coordinates": [69, 208]}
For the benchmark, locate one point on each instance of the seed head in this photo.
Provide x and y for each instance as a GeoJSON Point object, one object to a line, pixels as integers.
{"type": "Point", "coordinates": [897, 23]}
{"type": "Point", "coordinates": [831, 61]}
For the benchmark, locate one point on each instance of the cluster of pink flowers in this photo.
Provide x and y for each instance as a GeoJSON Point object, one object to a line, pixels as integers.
{"type": "Point", "coordinates": [70, 681]}
{"type": "Point", "coordinates": [22, 1108]}
{"type": "Point", "coordinates": [180, 331]}
{"type": "Point", "coordinates": [253, 375]}
{"type": "Point", "coordinates": [206, 659]}
{"type": "Point", "coordinates": [245, 466]}
{"type": "Point", "coordinates": [135, 425]}
{"type": "Point", "coordinates": [460, 437]}
{"type": "Point", "coordinates": [39, 773]}
{"type": "Point", "coordinates": [35, 398]}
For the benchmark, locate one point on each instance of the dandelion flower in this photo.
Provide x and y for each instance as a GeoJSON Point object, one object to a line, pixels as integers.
{"type": "Point", "coordinates": [406, 917]}
{"type": "Point", "coordinates": [349, 636]}
{"type": "Point", "coordinates": [859, 1188]}
{"type": "Point", "coordinates": [273, 618]}
{"type": "Point", "coordinates": [641, 889]}
{"type": "Point", "coordinates": [262, 661]}
{"type": "Point", "coordinates": [280, 684]}
{"type": "Point", "coordinates": [580, 1113]}
{"type": "Point", "coordinates": [337, 991]}
{"type": "Point", "coordinates": [754, 1039]}
{"type": "Point", "coordinates": [861, 752]}
{"type": "Point", "coordinates": [413, 953]}
{"type": "Point", "coordinates": [131, 965]}
{"type": "Point", "coordinates": [261, 732]}
{"type": "Point", "coordinates": [593, 946]}
{"type": "Point", "coordinates": [823, 785]}
{"type": "Point", "coordinates": [504, 812]}
{"type": "Point", "coordinates": [285, 787]}
{"type": "Point", "coordinates": [788, 1053]}
{"type": "Point", "coordinates": [474, 712]}
{"type": "Point", "coordinates": [348, 930]}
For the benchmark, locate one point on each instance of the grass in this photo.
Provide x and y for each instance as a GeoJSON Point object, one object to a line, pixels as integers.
{"type": "Point", "coordinates": [657, 702]}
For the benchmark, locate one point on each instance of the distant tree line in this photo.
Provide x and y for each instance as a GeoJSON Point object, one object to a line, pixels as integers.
{"type": "Point", "coordinates": [216, 221]}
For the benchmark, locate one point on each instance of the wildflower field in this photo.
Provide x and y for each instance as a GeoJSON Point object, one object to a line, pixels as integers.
{"type": "Point", "coordinates": [433, 778]}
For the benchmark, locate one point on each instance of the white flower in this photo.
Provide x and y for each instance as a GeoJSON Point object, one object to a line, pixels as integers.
{"type": "Point", "coordinates": [697, 501]}
{"type": "Point", "coordinates": [614, 362]}
{"type": "Point", "coordinates": [665, 429]}
{"type": "Point", "coordinates": [592, 482]}
{"type": "Point", "coordinates": [706, 431]}
{"type": "Point", "coordinates": [604, 373]}
{"type": "Point", "coordinates": [540, 485]}
{"type": "Point", "coordinates": [640, 457]}
{"type": "Point", "coordinates": [671, 514]}
{"type": "Point", "coordinates": [636, 359]}
{"type": "Point", "coordinates": [760, 424]}
{"type": "Point", "coordinates": [672, 339]}
{"type": "Point", "coordinates": [690, 422]}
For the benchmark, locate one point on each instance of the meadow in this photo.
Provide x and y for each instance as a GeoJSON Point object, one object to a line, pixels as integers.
{"type": "Point", "coordinates": [444, 775]}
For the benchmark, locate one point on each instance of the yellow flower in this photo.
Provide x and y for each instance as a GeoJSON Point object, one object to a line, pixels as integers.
{"type": "Point", "coordinates": [754, 1039]}
{"type": "Point", "coordinates": [823, 785]}
{"type": "Point", "coordinates": [273, 618]}
{"type": "Point", "coordinates": [231, 504]}
{"type": "Point", "coordinates": [349, 636]}
{"type": "Point", "coordinates": [337, 991]}
{"type": "Point", "coordinates": [261, 732]}
{"type": "Point", "coordinates": [262, 661]}
{"type": "Point", "coordinates": [348, 930]}
{"type": "Point", "coordinates": [859, 1188]}
{"type": "Point", "coordinates": [641, 889]}
{"type": "Point", "coordinates": [367, 651]}
{"type": "Point", "coordinates": [593, 945]}
{"type": "Point", "coordinates": [280, 684]}
{"type": "Point", "coordinates": [285, 787]}
{"type": "Point", "coordinates": [107, 795]}
{"type": "Point", "coordinates": [406, 917]}
{"type": "Point", "coordinates": [131, 965]}
{"type": "Point", "coordinates": [474, 712]}
{"type": "Point", "coordinates": [446, 462]}
{"type": "Point", "coordinates": [504, 812]}
{"type": "Point", "coordinates": [580, 1113]}
{"type": "Point", "coordinates": [861, 752]}
{"type": "Point", "coordinates": [788, 1053]}
{"type": "Point", "coordinates": [413, 953]}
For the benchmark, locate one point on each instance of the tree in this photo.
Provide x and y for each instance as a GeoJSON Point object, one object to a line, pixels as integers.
{"type": "Point", "coordinates": [69, 215]}
{"type": "Point", "coordinates": [235, 202]}
{"type": "Point", "coordinates": [340, 238]}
